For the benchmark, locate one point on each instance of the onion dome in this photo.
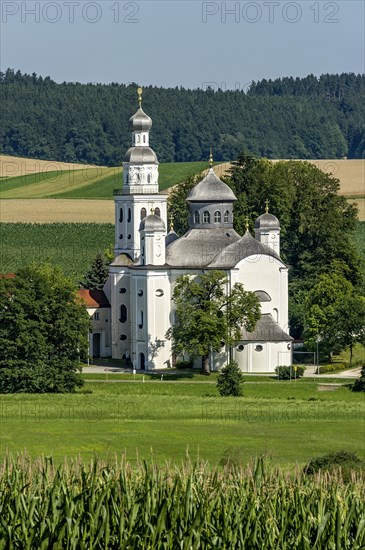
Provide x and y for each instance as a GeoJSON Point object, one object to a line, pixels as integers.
{"type": "Point", "coordinates": [152, 223]}
{"type": "Point", "coordinates": [267, 221]}
{"type": "Point", "coordinates": [140, 122]}
{"type": "Point", "coordinates": [140, 155]}
{"type": "Point", "coordinates": [211, 189]}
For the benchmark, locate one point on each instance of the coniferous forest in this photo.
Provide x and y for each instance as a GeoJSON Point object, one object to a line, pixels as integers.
{"type": "Point", "coordinates": [284, 118]}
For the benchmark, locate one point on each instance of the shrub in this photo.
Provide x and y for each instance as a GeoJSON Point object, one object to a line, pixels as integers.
{"type": "Point", "coordinates": [347, 461]}
{"type": "Point", "coordinates": [337, 367]}
{"type": "Point", "coordinates": [287, 373]}
{"type": "Point", "coordinates": [230, 380]}
{"type": "Point", "coordinates": [184, 364]}
{"type": "Point", "coordinates": [360, 382]}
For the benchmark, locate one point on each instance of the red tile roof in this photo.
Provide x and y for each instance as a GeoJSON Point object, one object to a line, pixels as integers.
{"type": "Point", "coordinates": [7, 275]}
{"type": "Point", "coordinates": [94, 298]}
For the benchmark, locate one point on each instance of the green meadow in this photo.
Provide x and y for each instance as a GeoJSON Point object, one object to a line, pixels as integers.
{"type": "Point", "coordinates": [162, 420]}
{"type": "Point", "coordinates": [88, 183]}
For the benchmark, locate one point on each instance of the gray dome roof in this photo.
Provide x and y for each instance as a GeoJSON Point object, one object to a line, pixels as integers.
{"type": "Point", "coordinates": [267, 221]}
{"type": "Point", "coordinates": [152, 223]}
{"type": "Point", "coordinates": [211, 189]}
{"type": "Point", "coordinates": [243, 248]}
{"type": "Point", "coordinates": [140, 122]}
{"type": "Point", "coordinates": [198, 247]}
{"type": "Point", "coordinates": [140, 155]}
{"type": "Point", "coordinates": [266, 330]}
{"type": "Point", "coordinates": [171, 237]}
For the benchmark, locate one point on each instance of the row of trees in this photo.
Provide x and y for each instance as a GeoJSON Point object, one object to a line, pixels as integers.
{"type": "Point", "coordinates": [88, 123]}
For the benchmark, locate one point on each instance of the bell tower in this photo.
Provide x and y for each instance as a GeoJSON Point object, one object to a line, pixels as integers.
{"type": "Point", "coordinates": [140, 191]}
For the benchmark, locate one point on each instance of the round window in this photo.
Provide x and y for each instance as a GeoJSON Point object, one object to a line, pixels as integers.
{"type": "Point", "coordinates": [259, 348]}
{"type": "Point", "coordinates": [123, 337]}
{"type": "Point", "coordinates": [122, 290]}
{"type": "Point", "coordinates": [159, 292]}
{"type": "Point", "coordinates": [140, 292]}
{"type": "Point", "coordinates": [240, 347]}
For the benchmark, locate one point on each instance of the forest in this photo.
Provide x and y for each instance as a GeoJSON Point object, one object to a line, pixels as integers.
{"type": "Point", "coordinates": [288, 118]}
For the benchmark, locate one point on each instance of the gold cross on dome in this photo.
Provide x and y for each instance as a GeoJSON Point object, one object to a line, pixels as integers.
{"type": "Point", "coordinates": [139, 92]}
{"type": "Point", "coordinates": [247, 222]}
{"type": "Point", "coordinates": [171, 222]}
{"type": "Point", "coordinates": [267, 205]}
{"type": "Point", "coordinates": [211, 158]}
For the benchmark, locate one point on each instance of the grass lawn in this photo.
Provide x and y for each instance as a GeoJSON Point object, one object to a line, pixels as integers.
{"type": "Point", "coordinates": [291, 421]}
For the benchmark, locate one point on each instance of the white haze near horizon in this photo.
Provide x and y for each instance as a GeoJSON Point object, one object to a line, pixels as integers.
{"type": "Point", "coordinates": [181, 43]}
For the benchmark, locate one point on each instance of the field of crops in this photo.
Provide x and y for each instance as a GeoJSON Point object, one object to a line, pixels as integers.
{"type": "Point", "coordinates": [111, 505]}
{"type": "Point", "coordinates": [19, 166]}
{"type": "Point", "coordinates": [70, 245]}
{"type": "Point", "coordinates": [87, 183]}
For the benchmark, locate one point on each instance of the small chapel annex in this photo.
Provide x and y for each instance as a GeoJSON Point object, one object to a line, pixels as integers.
{"type": "Point", "coordinates": [149, 259]}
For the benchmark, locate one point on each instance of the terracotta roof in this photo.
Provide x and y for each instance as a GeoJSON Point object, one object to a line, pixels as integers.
{"type": "Point", "coordinates": [7, 275]}
{"type": "Point", "coordinates": [94, 298]}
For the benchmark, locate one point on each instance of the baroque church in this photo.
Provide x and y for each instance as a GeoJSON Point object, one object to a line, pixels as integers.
{"type": "Point", "coordinates": [149, 259]}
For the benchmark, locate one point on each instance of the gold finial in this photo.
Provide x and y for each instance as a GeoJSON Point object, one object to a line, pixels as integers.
{"type": "Point", "coordinates": [171, 222]}
{"type": "Point", "coordinates": [247, 222]}
{"type": "Point", "coordinates": [211, 158]}
{"type": "Point", "coordinates": [267, 206]}
{"type": "Point", "coordinates": [139, 91]}
{"type": "Point", "coordinates": [152, 210]}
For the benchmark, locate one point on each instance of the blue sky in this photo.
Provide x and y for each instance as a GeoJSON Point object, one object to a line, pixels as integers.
{"type": "Point", "coordinates": [181, 43]}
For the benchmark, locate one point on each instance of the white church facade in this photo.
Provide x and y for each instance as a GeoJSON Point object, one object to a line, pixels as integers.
{"type": "Point", "coordinates": [149, 259]}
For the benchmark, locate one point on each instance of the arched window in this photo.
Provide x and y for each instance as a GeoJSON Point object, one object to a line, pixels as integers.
{"type": "Point", "coordinates": [206, 217]}
{"type": "Point", "coordinates": [129, 215]}
{"type": "Point", "coordinates": [197, 217]}
{"type": "Point", "coordinates": [226, 216]}
{"type": "Point", "coordinates": [217, 217]}
{"type": "Point", "coordinates": [120, 214]}
{"type": "Point", "coordinates": [138, 138]}
{"type": "Point", "coordinates": [123, 314]}
{"type": "Point", "coordinates": [157, 212]}
{"type": "Point", "coordinates": [143, 213]}
{"type": "Point", "coordinates": [144, 139]}
{"type": "Point", "coordinates": [140, 318]}
{"type": "Point", "coordinates": [148, 178]}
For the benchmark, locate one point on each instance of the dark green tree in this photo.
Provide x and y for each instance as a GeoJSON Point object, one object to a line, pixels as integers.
{"type": "Point", "coordinates": [177, 206]}
{"type": "Point", "coordinates": [335, 313]}
{"type": "Point", "coordinates": [44, 331]}
{"type": "Point", "coordinates": [230, 380]}
{"type": "Point", "coordinates": [206, 315]}
{"type": "Point", "coordinates": [97, 275]}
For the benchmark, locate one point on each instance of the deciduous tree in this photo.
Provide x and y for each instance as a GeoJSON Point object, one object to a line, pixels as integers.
{"type": "Point", "coordinates": [208, 313]}
{"type": "Point", "coordinates": [43, 332]}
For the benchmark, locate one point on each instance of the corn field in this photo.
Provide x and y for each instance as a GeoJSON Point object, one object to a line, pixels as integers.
{"type": "Point", "coordinates": [112, 505]}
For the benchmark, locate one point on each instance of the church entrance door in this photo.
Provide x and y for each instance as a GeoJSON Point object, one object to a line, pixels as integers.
{"type": "Point", "coordinates": [141, 361]}
{"type": "Point", "coordinates": [96, 344]}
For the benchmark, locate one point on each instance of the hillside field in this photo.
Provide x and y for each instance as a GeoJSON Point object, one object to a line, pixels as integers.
{"type": "Point", "coordinates": [70, 245]}
{"type": "Point", "coordinates": [87, 183]}
{"type": "Point", "coordinates": [19, 166]}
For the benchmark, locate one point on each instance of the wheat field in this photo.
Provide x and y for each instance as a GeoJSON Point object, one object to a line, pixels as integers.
{"type": "Point", "coordinates": [56, 211]}
{"type": "Point", "coordinates": [18, 166]}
